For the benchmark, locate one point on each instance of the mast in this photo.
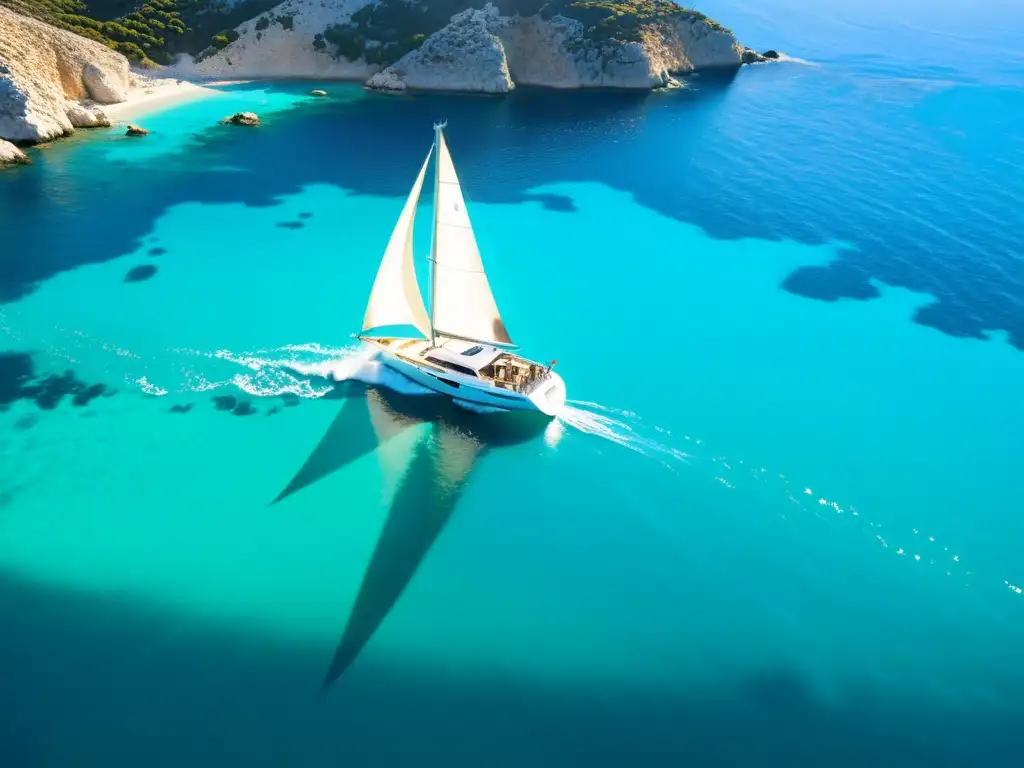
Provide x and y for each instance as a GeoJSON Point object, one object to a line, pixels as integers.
{"type": "Point", "coordinates": [433, 232]}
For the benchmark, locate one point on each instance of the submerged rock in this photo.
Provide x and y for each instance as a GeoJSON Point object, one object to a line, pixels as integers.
{"type": "Point", "coordinates": [317, 92]}
{"type": "Point", "coordinates": [242, 118]}
{"type": "Point", "coordinates": [134, 130]}
{"type": "Point", "coordinates": [11, 155]}
{"type": "Point", "coordinates": [138, 274]}
{"type": "Point", "coordinates": [224, 402]}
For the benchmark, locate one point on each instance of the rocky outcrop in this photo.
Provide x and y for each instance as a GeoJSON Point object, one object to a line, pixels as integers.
{"type": "Point", "coordinates": [135, 130]}
{"type": "Point", "coordinates": [105, 85]}
{"type": "Point", "coordinates": [84, 114]}
{"type": "Point", "coordinates": [538, 51]}
{"type": "Point", "coordinates": [242, 118]}
{"type": "Point", "coordinates": [750, 56]}
{"type": "Point", "coordinates": [386, 80]}
{"type": "Point", "coordinates": [481, 50]}
{"type": "Point", "coordinates": [466, 55]}
{"type": "Point", "coordinates": [11, 155]}
{"type": "Point", "coordinates": [284, 42]}
{"type": "Point", "coordinates": [44, 71]}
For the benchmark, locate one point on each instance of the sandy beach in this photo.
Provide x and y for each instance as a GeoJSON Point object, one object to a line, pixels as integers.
{"type": "Point", "coordinates": [156, 93]}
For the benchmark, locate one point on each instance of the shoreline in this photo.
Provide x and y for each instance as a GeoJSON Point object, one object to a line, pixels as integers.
{"type": "Point", "coordinates": [153, 94]}
{"type": "Point", "coordinates": [156, 94]}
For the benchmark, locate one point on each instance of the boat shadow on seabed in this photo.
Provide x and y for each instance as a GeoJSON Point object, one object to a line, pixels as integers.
{"type": "Point", "coordinates": [426, 497]}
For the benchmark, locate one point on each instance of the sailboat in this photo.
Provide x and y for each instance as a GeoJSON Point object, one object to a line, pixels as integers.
{"type": "Point", "coordinates": [463, 349]}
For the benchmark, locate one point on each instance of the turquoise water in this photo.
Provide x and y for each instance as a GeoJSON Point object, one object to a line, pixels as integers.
{"type": "Point", "coordinates": [778, 524]}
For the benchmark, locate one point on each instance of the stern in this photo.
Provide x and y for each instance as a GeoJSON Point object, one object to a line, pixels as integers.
{"type": "Point", "coordinates": [549, 395]}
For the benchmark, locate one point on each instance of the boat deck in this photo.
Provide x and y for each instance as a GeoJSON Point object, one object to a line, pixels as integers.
{"type": "Point", "coordinates": [506, 371]}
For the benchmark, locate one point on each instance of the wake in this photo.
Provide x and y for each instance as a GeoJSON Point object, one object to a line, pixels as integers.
{"type": "Point", "coordinates": [797, 60]}
{"type": "Point", "coordinates": [313, 370]}
{"type": "Point", "coordinates": [620, 427]}
{"type": "Point", "coordinates": [305, 370]}
{"type": "Point", "coordinates": [308, 370]}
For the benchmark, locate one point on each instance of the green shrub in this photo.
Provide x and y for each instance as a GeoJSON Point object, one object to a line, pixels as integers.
{"type": "Point", "coordinates": [221, 41]}
{"type": "Point", "coordinates": [130, 50]}
{"type": "Point", "coordinates": [348, 43]}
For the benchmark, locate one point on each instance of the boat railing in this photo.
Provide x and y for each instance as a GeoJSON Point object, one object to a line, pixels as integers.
{"type": "Point", "coordinates": [522, 383]}
{"type": "Point", "coordinates": [529, 385]}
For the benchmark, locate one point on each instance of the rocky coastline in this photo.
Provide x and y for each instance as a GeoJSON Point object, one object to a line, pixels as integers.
{"type": "Point", "coordinates": [53, 81]}
{"type": "Point", "coordinates": [489, 47]}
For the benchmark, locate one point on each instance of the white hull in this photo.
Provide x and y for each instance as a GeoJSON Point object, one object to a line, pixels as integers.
{"type": "Point", "coordinates": [545, 395]}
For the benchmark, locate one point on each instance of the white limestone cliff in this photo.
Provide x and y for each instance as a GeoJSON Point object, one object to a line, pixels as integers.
{"type": "Point", "coordinates": [279, 44]}
{"type": "Point", "coordinates": [45, 72]}
{"type": "Point", "coordinates": [481, 50]}
{"type": "Point", "coordinates": [85, 114]}
{"type": "Point", "coordinates": [537, 51]}
{"type": "Point", "coordinates": [466, 55]}
{"type": "Point", "coordinates": [11, 155]}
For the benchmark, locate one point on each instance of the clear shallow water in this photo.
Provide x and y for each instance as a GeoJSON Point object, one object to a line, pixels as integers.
{"type": "Point", "coordinates": [791, 534]}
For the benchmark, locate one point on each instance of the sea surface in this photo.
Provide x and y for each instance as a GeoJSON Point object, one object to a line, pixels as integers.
{"type": "Point", "coordinates": [778, 524]}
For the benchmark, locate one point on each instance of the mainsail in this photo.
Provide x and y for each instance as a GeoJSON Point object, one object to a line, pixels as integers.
{"type": "Point", "coordinates": [395, 298]}
{"type": "Point", "coordinates": [462, 303]}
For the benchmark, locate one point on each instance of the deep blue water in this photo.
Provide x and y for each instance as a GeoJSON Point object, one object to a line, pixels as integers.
{"type": "Point", "coordinates": [778, 523]}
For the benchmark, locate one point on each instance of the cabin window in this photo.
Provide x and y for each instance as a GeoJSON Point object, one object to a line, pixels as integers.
{"type": "Point", "coordinates": [452, 366]}
{"type": "Point", "coordinates": [473, 351]}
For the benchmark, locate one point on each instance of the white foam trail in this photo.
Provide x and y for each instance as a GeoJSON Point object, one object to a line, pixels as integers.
{"type": "Point", "coordinates": [295, 369]}
{"type": "Point", "coordinates": [273, 372]}
{"type": "Point", "coordinates": [615, 430]}
{"type": "Point", "coordinates": [317, 349]}
{"type": "Point", "coordinates": [796, 60]}
{"type": "Point", "coordinates": [598, 407]}
{"type": "Point", "coordinates": [150, 389]}
{"type": "Point", "coordinates": [363, 365]}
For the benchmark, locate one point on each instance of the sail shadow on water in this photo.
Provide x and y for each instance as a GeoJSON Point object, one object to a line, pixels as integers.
{"type": "Point", "coordinates": [353, 434]}
{"type": "Point", "coordinates": [426, 498]}
{"type": "Point", "coordinates": [427, 494]}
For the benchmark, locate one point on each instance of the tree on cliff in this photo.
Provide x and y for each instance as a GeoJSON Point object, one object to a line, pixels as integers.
{"type": "Point", "coordinates": [147, 32]}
